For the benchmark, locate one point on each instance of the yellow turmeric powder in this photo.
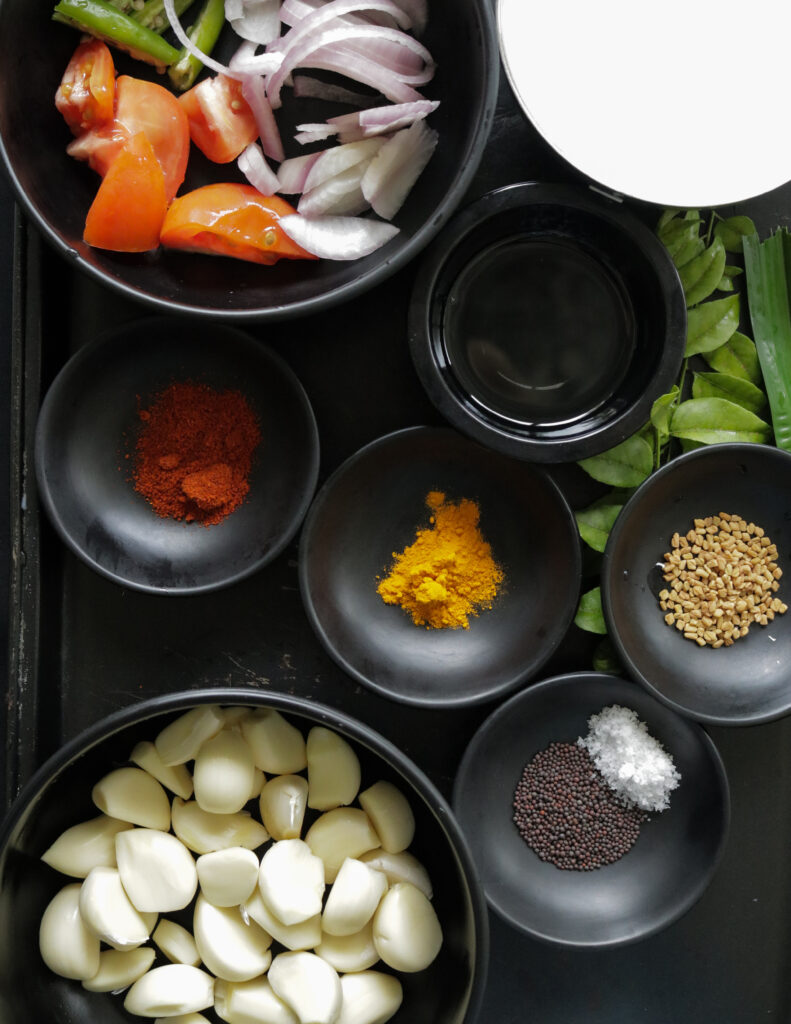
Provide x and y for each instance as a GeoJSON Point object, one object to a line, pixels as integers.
{"type": "Point", "coordinates": [448, 573]}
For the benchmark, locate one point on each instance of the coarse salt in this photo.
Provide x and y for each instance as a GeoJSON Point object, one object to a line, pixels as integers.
{"type": "Point", "coordinates": [634, 764]}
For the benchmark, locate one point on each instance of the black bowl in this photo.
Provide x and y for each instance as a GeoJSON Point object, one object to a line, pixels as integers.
{"type": "Point", "coordinates": [658, 880]}
{"type": "Point", "coordinates": [56, 191]}
{"type": "Point", "coordinates": [545, 321]}
{"type": "Point", "coordinates": [744, 684]}
{"type": "Point", "coordinates": [372, 506]}
{"type": "Point", "coordinates": [59, 795]}
{"type": "Point", "coordinates": [88, 424]}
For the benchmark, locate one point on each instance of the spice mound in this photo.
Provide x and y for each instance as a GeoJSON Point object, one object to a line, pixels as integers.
{"type": "Point", "coordinates": [194, 452]}
{"type": "Point", "coordinates": [448, 573]}
{"type": "Point", "coordinates": [723, 576]}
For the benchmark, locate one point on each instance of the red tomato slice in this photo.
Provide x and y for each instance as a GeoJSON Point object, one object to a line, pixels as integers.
{"type": "Point", "coordinates": [87, 90]}
{"type": "Point", "coordinates": [221, 123]}
{"type": "Point", "coordinates": [231, 220]}
{"type": "Point", "coordinates": [140, 107]}
{"type": "Point", "coordinates": [130, 206]}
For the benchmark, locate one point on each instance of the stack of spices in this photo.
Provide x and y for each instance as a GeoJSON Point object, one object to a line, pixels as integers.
{"type": "Point", "coordinates": [194, 452]}
{"type": "Point", "coordinates": [448, 573]}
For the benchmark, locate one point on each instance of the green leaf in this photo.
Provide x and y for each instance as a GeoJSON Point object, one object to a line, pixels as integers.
{"type": "Point", "coordinates": [726, 284]}
{"type": "Point", "coordinates": [702, 274]}
{"type": "Point", "coordinates": [666, 217]}
{"type": "Point", "coordinates": [716, 420]}
{"type": "Point", "coordinates": [731, 232]}
{"type": "Point", "coordinates": [678, 233]}
{"type": "Point", "coordinates": [692, 215]}
{"type": "Point", "coordinates": [590, 616]}
{"type": "Point", "coordinates": [661, 412]}
{"type": "Point", "coordinates": [731, 271]}
{"type": "Point", "coordinates": [689, 251]}
{"type": "Point", "coordinates": [605, 658]}
{"type": "Point", "coordinates": [738, 357]}
{"type": "Point", "coordinates": [710, 325]}
{"type": "Point", "coordinates": [735, 389]}
{"type": "Point", "coordinates": [595, 523]}
{"type": "Point", "coordinates": [626, 465]}
{"type": "Point", "coordinates": [690, 446]}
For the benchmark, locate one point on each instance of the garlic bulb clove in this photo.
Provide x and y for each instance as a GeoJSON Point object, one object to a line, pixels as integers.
{"type": "Point", "coordinates": [224, 773]}
{"type": "Point", "coordinates": [291, 880]}
{"type": "Point", "coordinates": [304, 935]}
{"type": "Point", "coordinates": [182, 739]}
{"type": "Point", "coordinates": [118, 969]}
{"type": "Point", "coordinates": [68, 947]}
{"type": "Point", "coordinates": [250, 1002]}
{"type": "Point", "coordinates": [183, 1018]}
{"type": "Point", "coordinates": [176, 943]}
{"type": "Point", "coordinates": [333, 770]}
{"type": "Point", "coordinates": [353, 898]}
{"type": "Point", "coordinates": [349, 953]}
{"type": "Point", "coordinates": [85, 846]}
{"type": "Point", "coordinates": [157, 870]}
{"type": "Point", "coordinates": [107, 911]}
{"type": "Point", "coordinates": [282, 805]}
{"type": "Point", "coordinates": [308, 985]}
{"type": "Point", "coordinates": [278, 746]}
{"type": "Point", "coordinates": [235, 715]}
{"type": "Point", "coordinates": [175, 777]}
{"type": "Point", "coordinates": [131, 794]}
{"type": "Point", "coordinates": [340, 833]}
{"type": "Point", "coordinates": [259, 781]}
{"type": "Point", "coordinates": [390, 814]}
{"type": "Point", "coordinates": [228, 877]}
{"type": "Point", "coordinates": [369, 997]}
{"type": "Point", "coordinates": [170, 990]}
{"type": "Point", "coordinates": [204, 832]}
{"type": "Point", "coordinates": [407, 932]}
{"type": "Point", "coordinates": [400, 867]}
{"type": "Point", "coordinates": [229, 948]}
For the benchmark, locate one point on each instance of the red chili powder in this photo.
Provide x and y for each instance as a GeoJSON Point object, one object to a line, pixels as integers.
{"type": "Point", "coordinates": [194, 452]}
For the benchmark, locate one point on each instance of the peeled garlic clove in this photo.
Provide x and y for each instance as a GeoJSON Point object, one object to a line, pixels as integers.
{"type": "Point", "coordinates": [157, 871]}
{"type": "Point", "coordinates": [182, 739]}
{"type": "Point", "coordinates": [390, 814]}
{"type": "Point", "coordinates": [170, 990]}
{"type": "Point", "coordinates": [291, 880]}
{"type": "Point", "coordinates": [338, 834]}
{"type": "Point", "coordinates": [369, 997]}
{"type": "Point", "coordinates": [175, 777]}
{"type": "Point", "coordinates": [235, 715]}
{"type": "Point", "coordinates": [85, 846]}
{"type": "Point", "coordinates": [333, 770]}
{"type": "Point", "coordinates": [278, 747]}
{"type": "Point", "coordinates": [308, 985]}
{"type": "Point", "coordinates": [204, 832]}
{"type": "Point", "coordinates": [223, 773]}
{"type": "Point", "coordinates": [400, 867]}
{"type": "Point", "coordinates": [119, 969]}
{"type": "Point", "coordinates": [283, 802]}
{"type": "Point", "coordinates": [176, 943]}
{"type": "Point", "coordinates": [183, 1018]}
{"type": "Point", "coordinates": [228, 877]}
{"type": "Point", "coordinates": [353, 898]}
{"type": "Point", "coordinates": [250, 1002]}
{"type": "Point", "coordinates": [229, 948]}
{"type": "Point", "coordinates": [259, 780]}
{"type": "Point", "coordinates": [107, 911]}
{"type": "Point", "coordinates": [348, 953]}
{"type": "Point", "coordinates": [407, 932]}
{"type": "Point", "coordinates": [304, 935]}
{"type": "Point", "coordinates": [133, 795]}
{"type": "Point", "coordinates": [68, 947]}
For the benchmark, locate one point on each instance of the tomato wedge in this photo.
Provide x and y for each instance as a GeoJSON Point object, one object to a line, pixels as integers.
{"type": "Point", "coordinates": [221, 123]}
{"type": "Point", "coordinates": [87, 90]}
{"type": "Point", "coordinates": [231, 220]}
{"type": "Point", "coordinates": [130, 206]}
{"type": "Point", "coordinates": [145, 107]}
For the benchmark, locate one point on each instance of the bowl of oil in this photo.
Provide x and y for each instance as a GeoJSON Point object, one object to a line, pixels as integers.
{"type": "Point", "coordinates": [546, 320]}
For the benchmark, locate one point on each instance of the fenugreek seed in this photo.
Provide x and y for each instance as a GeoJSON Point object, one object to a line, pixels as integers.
{"type": "Point", "coordinates": [670, 618]}
{"type": "Point", "coordinates": [700, 641]}
{"type": "Point", "coordinates": [718, 643]}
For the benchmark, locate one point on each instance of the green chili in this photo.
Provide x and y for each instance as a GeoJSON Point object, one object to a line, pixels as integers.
{"type": "Point", "coordinates": [204, 34]}
{"type": "Point", "coordinates": [152, 13]}
{"type": "Point", "coordinates": [101, 19]}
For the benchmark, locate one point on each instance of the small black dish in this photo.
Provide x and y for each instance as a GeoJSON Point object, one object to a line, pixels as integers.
{"type": "Point", "coordinates": [749, 682]}
{"type": "Point", "coordinates": [372, 506]}
{"type": "Point", "coordinates": [88, 424]}
{"type": "Point", "coordinates": [545, 322]}
{"type": "Point", "coordinates": [658, 880]}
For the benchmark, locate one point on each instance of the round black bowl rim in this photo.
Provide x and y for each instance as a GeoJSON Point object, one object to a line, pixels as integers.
{"type": "Point", "coordinates": [416, 701]}
{"type": "Point", "coordinates": [529, 193]}
{"type": "Point", "coordinates": [746, 450]}
{"type": "Point", "coordinates": [283, 702]}
{"type": "Point", "coordinates": [722, 777]}
{"type": "Point", "coordinates": [113, 336]}
{"type": "Point", "coordinates": [305, 307]}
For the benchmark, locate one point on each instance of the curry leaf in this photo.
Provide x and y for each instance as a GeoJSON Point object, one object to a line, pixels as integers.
{"type": "Point", "coordinates": [726, 284]}
{"type": "Point", "coordinates": [626, 465]}
{"type": "Point", "coordinates": [717, 420]}
{"type": "Point", "coordinates": [710, 325]}
{"type": "Point", "coordinates": [731, 232]}
{"type": "Point", "coordinates": [594, 524]}
{"type": "Point", "coordinates": [667, 215]}
{"type": "Point", "coordinates": [735, 389]}
{"type": "Point", "coordinates": [702, 274]}
{"type": "Point", "coordinates": [678, 234]}
{"type": "Point", "coordinates": [605, 658]}
{"type": "Point", "coordinates": [661, 411]}
{"type": "Point", "coordinates": [738, 357]}
{"type": "Point", "coordinates": [590, 616]}
{"type": "Point", "coordinates": [689, 251]}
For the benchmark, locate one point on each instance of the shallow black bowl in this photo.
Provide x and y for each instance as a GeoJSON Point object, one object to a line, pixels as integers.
{"type": "Point", "coordinates": [591, 300]}
{"type": "Point", "coordinates": [744, 684]}
{"type": "Point", "coordinates": [665, 872]}
{"type": "Point", "coordinates": [448, 992]}
{"type": "Point", "coordinates": [372, 506]}
{"type": "Point", "coordinates": [88, 425]}
{"type": "Point", "coordinates": [56, 191]}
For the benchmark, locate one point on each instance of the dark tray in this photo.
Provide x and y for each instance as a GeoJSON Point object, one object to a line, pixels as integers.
{"type": "Point", "coordinates": [82, 646]}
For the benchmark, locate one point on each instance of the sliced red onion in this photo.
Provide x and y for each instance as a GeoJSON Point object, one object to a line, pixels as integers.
{"type": "Point", "coordinates": [348, 125]}
{"type": "Point", "coordinates": [293, 173]}
{"type": "Point", "coordinates": [339, 159]}
{"type": "Point", "coordinates": [396, 167]}
{"type": "Point", "coordinates": [196, 52]}
{"type": "Point", "coordinates": [245, 64]}
{"type": "Point", "coordinates": [307, 133]}
{"type": "Point", "coordinates": [259, 22]}
{"type": "Point", "coordinates": [338, 238]}
{"type": "Point", "coordinates": [254, 91]}
{"type": "Point", "coordinates": [418, 14]}
{"type": "Point", "coordinates": [310, 24]}
{"type": "Point", "coordinates": [292, 11]}
{"type": "Point", "coordinates": [366, 124]}
{"type": "Point", "coordinates": [233, 9]}
{"type": "Point", "coordinates": [340, 195]}
{"type": "Point", "coordinates": [242, 55]}
{"type": "Point", "coordinates": [409, 67]}
{"type": "Point", "coordinates": [252, 163]}
{"type": "Point", "coordinates": [307, 87]}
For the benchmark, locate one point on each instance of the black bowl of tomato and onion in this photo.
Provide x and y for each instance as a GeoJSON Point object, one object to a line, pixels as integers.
{"type": "Point", "coordinates": [57, 191]}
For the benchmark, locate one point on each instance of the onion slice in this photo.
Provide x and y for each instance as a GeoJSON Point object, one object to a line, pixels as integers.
{"type": "Point", "coordinates": [252, 163]}
{"type": "Point", "coordinates": [396, 167]}
{"type": "Point", "coordinates": [339, 195]}
{"type": "Point", "coordinates": [314, 132]}
{"type": "Point", "coordinates": [338, 238]}
{"type": "Point", "coordinates": [293, 173]}
{"type": "Point", "coordinates": [338, 159]}
{"type": "Point", "coordinates": [187, 43]}
{"type": "Point", "coordinates": [254, 91]}
{"type": "Point", "coordinates": [365, 124]}
{"type": "Point", "coordinates": [259, 22]}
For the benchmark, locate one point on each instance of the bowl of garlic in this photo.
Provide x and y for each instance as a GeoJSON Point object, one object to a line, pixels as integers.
{"type": "Point", "coordinates": [238, 856]}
